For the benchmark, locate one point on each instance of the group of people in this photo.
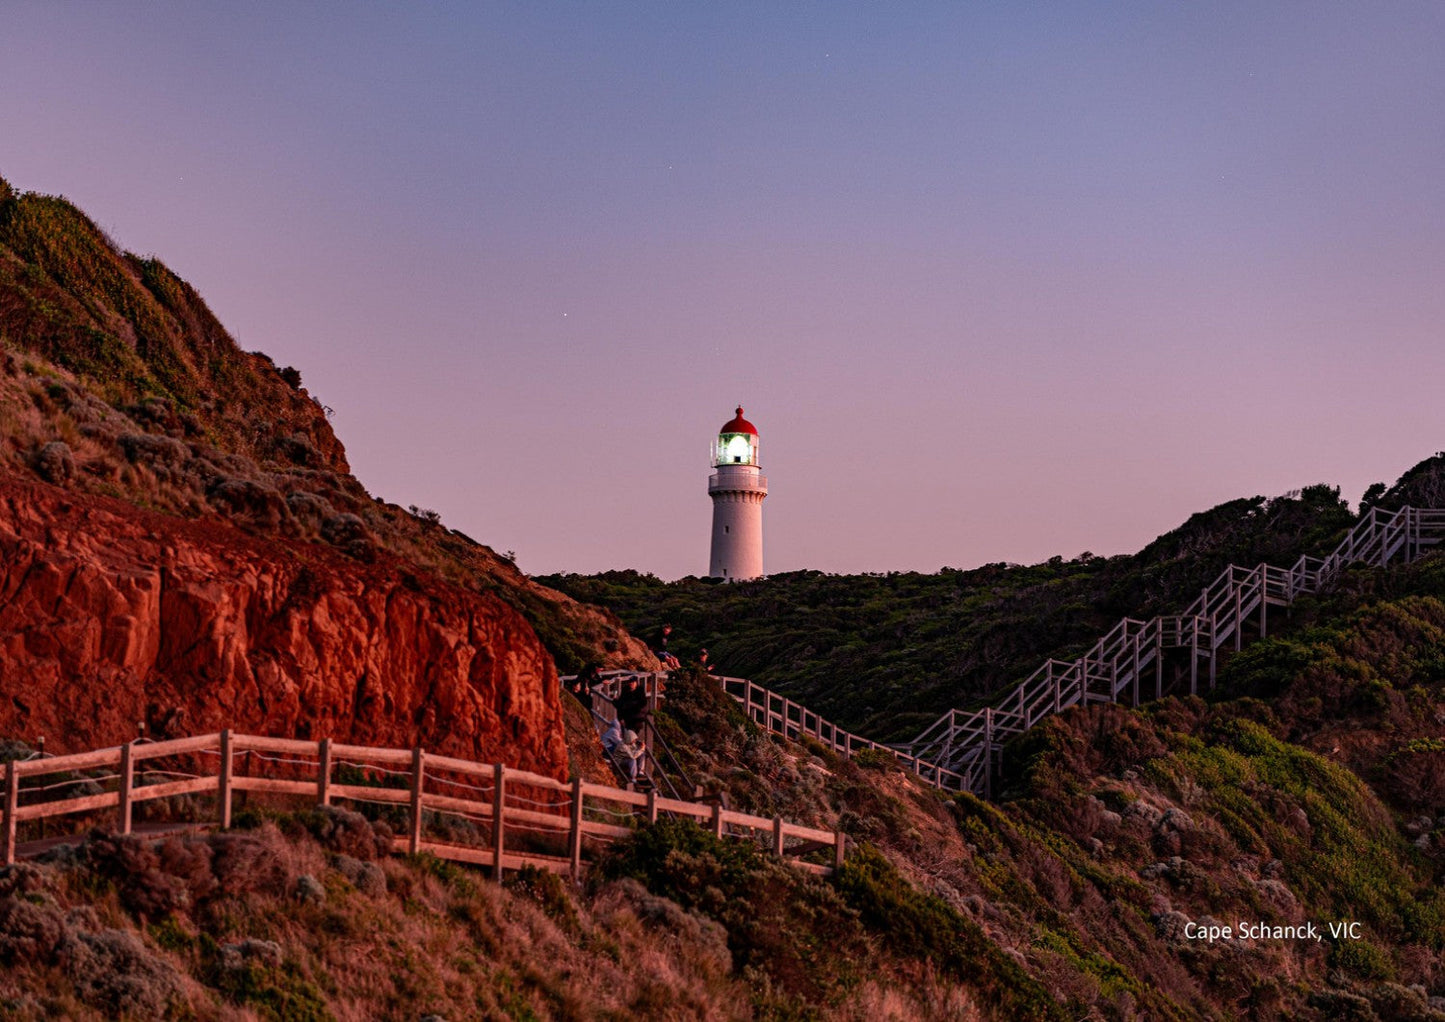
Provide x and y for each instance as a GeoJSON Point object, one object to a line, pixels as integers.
{"type": "Point", "coordinates": [620, 739]}
{"type": "Point", "coordinates": [620, 736]}
{"type": "Point", "coordinates": [669, 659]}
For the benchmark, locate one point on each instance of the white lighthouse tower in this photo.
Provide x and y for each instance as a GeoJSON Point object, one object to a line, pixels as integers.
{"type": "Point", "coordinates": [737, 489]}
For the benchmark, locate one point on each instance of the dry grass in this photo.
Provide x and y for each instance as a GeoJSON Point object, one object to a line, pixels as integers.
{"type": "Point", "coordinates": [150, 924]}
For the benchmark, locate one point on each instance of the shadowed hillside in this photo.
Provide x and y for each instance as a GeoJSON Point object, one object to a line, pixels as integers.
{"type": "Point", "coordinates": [885, 654]}
{"type": "Point", "coordinates": [1308, 790]}
{"type": "Point", "coordinates": [116, 380]}
{"type": "Point", "coordinates": [181, 544]}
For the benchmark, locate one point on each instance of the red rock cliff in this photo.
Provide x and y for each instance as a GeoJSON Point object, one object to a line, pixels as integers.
{"type": "Point", "coordinates": [110, 615]}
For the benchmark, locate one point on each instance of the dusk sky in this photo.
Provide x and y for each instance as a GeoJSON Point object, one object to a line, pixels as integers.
{"type": "Point", "coordinates": [995, 281]}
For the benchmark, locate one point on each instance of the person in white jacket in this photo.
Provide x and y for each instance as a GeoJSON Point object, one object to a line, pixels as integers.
{"type": "Point", "coordinates": [629, 753]}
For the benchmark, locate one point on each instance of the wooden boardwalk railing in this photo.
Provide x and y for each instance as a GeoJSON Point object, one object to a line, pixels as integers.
{"type": "Point", "coordinates": [482, 813]}
{"type": "Point", "coordinates": [777, 714]}
{"type": "Point", "coordinates": [781, 716]}
{"type": "Point", "coordinates": [1130, 661]}
{"type": "Point", "coordinates": [961, 750]}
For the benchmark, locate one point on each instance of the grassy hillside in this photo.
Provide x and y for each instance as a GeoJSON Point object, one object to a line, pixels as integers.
{"type": "Point", "coordinates": [1308, 790]}
{"type": "Point", "coordinates": [885, 654]}
{"type": "Point", "coordinates": [116, 380]}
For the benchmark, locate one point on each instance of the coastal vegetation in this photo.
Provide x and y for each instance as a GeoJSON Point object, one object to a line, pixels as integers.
{"type": "Point", "coordinates": [885, 654]}
{"type": "Point", "coordinates": [1308, 787]}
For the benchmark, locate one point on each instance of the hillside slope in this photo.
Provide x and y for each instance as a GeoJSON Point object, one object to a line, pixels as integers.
{"type": "Point", "coordinates": [182, 540]}
{"type": "Point", "coordinates": [116, 380]}
{"type": "Point", "coordinates": [1307, 791]}
{"type": "Point", "coordinates": [884, 655]}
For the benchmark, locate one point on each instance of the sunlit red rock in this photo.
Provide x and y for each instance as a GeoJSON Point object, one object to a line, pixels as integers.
{"type": "Point", "coordinates": [111, 616]}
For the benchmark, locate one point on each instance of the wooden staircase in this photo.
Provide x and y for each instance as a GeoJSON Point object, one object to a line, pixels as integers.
{"type": "Point", "coordinates": [1135, 661]}
{"type": "Point", "coordinates": [1130, 662]}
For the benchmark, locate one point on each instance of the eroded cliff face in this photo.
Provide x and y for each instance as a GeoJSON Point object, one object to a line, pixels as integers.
{"type": "Point", "coordinates": [111, 615]}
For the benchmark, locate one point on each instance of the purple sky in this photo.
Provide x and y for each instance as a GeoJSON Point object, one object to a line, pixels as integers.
{"type": "Point", "coordinates": [994, 281]}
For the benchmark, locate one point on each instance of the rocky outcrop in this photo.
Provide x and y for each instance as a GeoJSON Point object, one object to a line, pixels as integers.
{"type": "Point", "coordinates": [111, 616]}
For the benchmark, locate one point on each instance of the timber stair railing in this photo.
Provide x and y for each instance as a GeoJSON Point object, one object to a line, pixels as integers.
{"type": "Point", "coordinates": [1136, 660]}
{"type": "Point", "coordinates": [1131, 661]}
{"type": "Point", "coordinates": [481, 813]}
{"type": "Point", "coordinates": [779, 715]}
{"type": "Point", "coordinates": [776, 714]}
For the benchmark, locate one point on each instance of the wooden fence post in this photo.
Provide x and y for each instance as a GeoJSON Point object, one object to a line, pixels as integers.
{"type": "Point", "coordinates": [127, 780]}
{"type": "Point", "coordinates": [223, 792]}
{"type": "Point", "coordinates": [574, 849]}
{"type": "Point", "coordinates": [499, 824]}
{"type": "Point", "coordinates": [418, 784]}
{"type": "Point", "coordinates": [12, 802]}
{"type": "Point", "coordinates": [717, 820]}
{"type": "Point", "coordinates": [1238, 611]}
{"type": "Point", "coordinates": [1194, 658]}
{"type": "Point", "coordinates": [1135, 701]}
{"type": "Point", "coordinates": [778, 836]}
{"type": "Point", "coordinates": [323, 775]}
{"type": "Point", "coordinates": [988, 753]}
{"type": "Point", "coordinates": [839, 849]}
{"type": "Point", "coordinates": [652, 804]}
{"type": "Point", "coordinates": [1264, 601]}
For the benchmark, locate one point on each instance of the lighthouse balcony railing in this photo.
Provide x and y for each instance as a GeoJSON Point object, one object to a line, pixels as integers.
{"type": "Point", "coordinates": [716, 484]}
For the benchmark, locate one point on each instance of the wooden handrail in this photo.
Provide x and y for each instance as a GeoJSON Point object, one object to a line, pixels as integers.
{"type": "Point", "coordinates": [27, 797]}
{"type": "Point", "coordinates": [1216, 617]}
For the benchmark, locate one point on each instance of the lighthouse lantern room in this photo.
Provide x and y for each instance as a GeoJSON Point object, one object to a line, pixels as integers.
{"type": "Point", "coordinates": [737, 488]}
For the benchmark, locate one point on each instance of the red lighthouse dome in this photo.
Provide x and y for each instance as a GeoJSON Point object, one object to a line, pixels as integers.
{"type": "Point", "coordinates": [739, 425]}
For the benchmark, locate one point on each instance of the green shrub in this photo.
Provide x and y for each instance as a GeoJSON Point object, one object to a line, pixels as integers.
{"type": "Point", "coordinates": [923, 926]}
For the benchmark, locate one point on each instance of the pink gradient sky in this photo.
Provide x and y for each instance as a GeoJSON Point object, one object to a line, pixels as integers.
{"type": "Point", "coordinates": [995, 282]}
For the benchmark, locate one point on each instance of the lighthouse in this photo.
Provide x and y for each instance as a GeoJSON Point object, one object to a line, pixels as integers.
{"type": "Point", "coordinates": [737, 488]}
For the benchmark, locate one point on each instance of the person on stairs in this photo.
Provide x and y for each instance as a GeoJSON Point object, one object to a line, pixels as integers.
{"type": "Point", "coordinates": [631, 703]}
{"type": "Point", "coordinates": [629, 754]}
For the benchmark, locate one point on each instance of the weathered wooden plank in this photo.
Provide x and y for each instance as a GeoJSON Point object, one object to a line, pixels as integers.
{"type": "Point", "coordinates": [127, 781]}
{"type": "Point", "coordinates": [632, 798]}
{"type": "Point", "coordinates": [484, 856]}
{"type": "Point", "coordinates": [471, 807]}
{"type": "Point", "coordinates": [418, 789]}
{"type": "Point", "coordinates": [549, 820]}
{"type": "Point", "coordinates": [390, 757]}
{"type": "Point", "coordinates": [363, 793]}
{"type": "Point", "coordinates": [797, 830]}
{"type": "Point", "coordinates": [672, 805]}
{"type": "Point", "coordinates": [82, 804]}
{"type": "Point", "coordinates": [165, 789]}
{"type": "Point", "coordinates": [12, 801]}
{"type": "Point", "coordinates": [277, 786]}
{"type": "Point", "coordinates": [452, 804]}
{"type": "Point", "coordinates": [224, 784]}
{"type": "Point", "coordinates": [499, 821]}
{"type": "Point", "coordinates": [527, 777]}
{"type": "Point", "coordinates": [175, 747]}
{"type": "Point", "coordinates": [606, 829]}
{"type": "Point", "coordinates": [287, 746]}
{"type": "Point", "coordinates": [746, 820]}
{"type": "Point", "coordinates": [75, 761]}
{"type": "Point", "coordinates": [458, 766]}
{"type": "Point", "coordinates": [574, 838]}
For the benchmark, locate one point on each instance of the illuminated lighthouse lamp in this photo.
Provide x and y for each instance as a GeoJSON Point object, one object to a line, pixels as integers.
{"type": "Point", "coordinates": [736, 448]}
